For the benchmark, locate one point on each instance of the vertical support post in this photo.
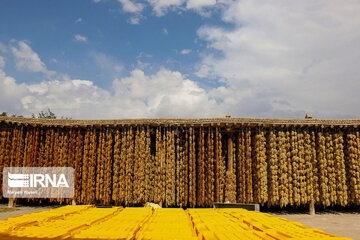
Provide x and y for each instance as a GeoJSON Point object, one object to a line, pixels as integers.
{"type": "Point", "coordinates": [11, 203]}
{"type": "Point", "coordinates": [230, 186]}
{"type": "Point", "coordinates": [73, 202]}
{"type": "Point", "coordinates": [312, 204]}
{"type": "Point", "coordinates": [230, 153]}
{"type": "Point", "coordinates": [312, 208]}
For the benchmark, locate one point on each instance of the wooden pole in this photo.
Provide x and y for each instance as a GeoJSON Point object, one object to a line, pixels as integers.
{"type": "Point", "coordinates": [312, 208]}
{"type": "Point", "coordinates": [230, 153]}
{"type": "Point", "coordinates": [312, 204]}
{"type": "Point", "coordinates": [11, 203]}
{"type": "Point", "coordinates": [230, 187]}
{"type": "Point", "coordinates": [73, 202]}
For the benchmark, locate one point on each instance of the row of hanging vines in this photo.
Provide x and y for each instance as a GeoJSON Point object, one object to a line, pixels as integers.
{"type": "Point", "coordinates": [194, 167]}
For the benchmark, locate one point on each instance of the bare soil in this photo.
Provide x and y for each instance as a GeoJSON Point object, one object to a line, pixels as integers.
{"type": "Point", "coordinates": [342, 224]}
{"type": "Point", "coordinates": [6, 212]}
{"type": "Point", "coordinates": [6, 209]}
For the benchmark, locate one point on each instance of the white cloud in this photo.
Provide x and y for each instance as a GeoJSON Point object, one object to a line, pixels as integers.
{"type": "Point", "coordinates": [204, 71]}
{"type": "Point", "coordinates": [144, 55]}
{"type": "Point", "coordinates": [78, 20]}
{"type": "Point", "coordinates": [2, 62]}
{"type": "Point", "coordinates": [134, 8]}
{"type": "Point", "coordinates": [160, 7]}
{"type": "Point", "coordinates": [131, 6]}
{"type": "Point", "coordinates": [185, 51]}
{"type": "Point", "coordinates": [80, 38]}
{"type": "Point", "coordinates": [134, 20]}
{"type": "Point", "coordinates": [96, 1]}
{"type": "Point", "coordinates": [141, 64]}
{"type": "Point", "coordinates": [287, 58]}
{"type": "Point", "coordinates": [78, 83]}
{"type": "Point", "coordinates": [27, 59]}
{"type": "Point", "coordinates": [198, 4]}
{"type": "Point", "coordinates": [165, 31]}
{"type": "Point", "coordinates": [164, 94]}
{"type": "Point", "coordinates": [11, 94]}
{"type": "Point", "coordinates": [107, 63]}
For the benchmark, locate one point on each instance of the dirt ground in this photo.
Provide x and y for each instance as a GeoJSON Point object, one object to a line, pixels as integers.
{"type": "Point", "coordinates": [340, 224]}
{"type": "Point", "coordinates": [6, 212]}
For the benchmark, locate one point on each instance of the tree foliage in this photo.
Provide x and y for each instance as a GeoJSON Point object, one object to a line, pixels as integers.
{"type": "Point", "coordinates": [46, 114]}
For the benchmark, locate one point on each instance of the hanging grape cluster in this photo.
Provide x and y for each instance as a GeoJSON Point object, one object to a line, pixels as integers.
{"type": "Point", "coordinates": [194, 166]}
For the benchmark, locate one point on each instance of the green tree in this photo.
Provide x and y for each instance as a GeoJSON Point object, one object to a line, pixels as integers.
{"type": "Point", "coordinates": [5, 114]}
{"type": "Point", "coordinates": [47, 114]}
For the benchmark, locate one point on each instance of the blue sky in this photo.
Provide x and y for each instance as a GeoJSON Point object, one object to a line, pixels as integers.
{"type": "Point", "coordinates": [179, 58]}
{"type": "Point", "coordinates": [50, 27]}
